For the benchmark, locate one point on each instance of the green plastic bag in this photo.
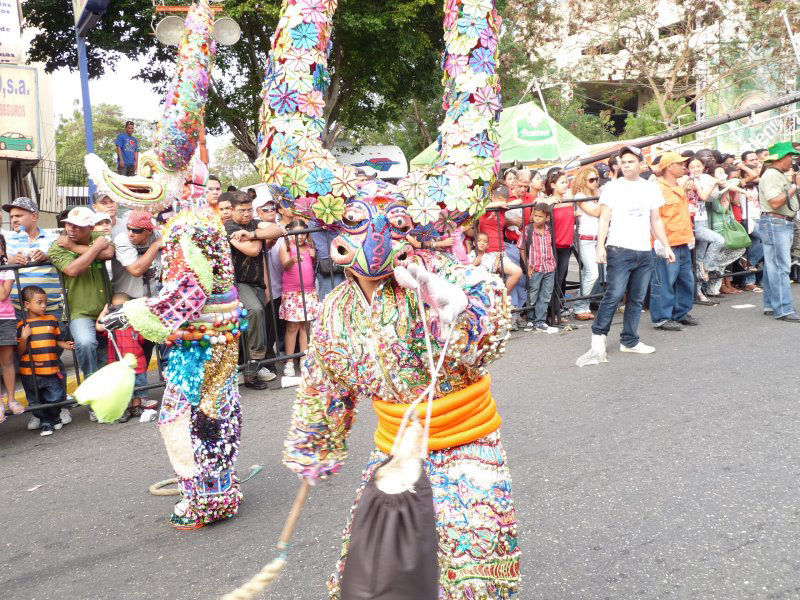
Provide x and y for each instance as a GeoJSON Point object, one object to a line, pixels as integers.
{"type": "Point", "coordinates": [108, 391]}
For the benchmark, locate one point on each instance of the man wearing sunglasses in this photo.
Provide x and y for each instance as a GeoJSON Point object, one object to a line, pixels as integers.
{"type": "Point", "coordinates": [136, 267]}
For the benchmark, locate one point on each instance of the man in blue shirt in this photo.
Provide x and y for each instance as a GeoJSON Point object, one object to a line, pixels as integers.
{"type": "Point", "coordinates": [127, 151]}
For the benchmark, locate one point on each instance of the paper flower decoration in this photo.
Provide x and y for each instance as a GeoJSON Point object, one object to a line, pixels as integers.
{"type": "Point", "coordinates": [311, 103]}
{"type": "Point", "coordinates": [312, 11]}
{"type": "Point", "coordinates": [282, 99]}
{"type": "Point", "coordinates": [457, 197]}
{"type": "Point", "coordinates": [483, 61]}
{"type": "Point", "coordinates": [328, 208]}
{"type": "Point", "coordinates": [319, 181]}
{"type": "Point", "coordinates": [471, 26]}
{"type": "Point", "coordinates": [344, 183]}
{"type": "Point", "coordinates": [305, 36]}
{"type": "Point", "coordinates": [477, 8]}
{"type": "Point", "coordinates": [284, 148]}
{"type": "Point", "coordinates": [423, 210]}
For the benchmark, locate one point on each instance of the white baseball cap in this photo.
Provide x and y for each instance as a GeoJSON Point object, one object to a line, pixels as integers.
{"type": "Point", "coordinates": [80, 216]}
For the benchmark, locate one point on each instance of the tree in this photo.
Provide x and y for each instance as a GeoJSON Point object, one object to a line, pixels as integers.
{"type": "Point", "coordinates": [108, 122]}
{"type": "Point", "coordinates": [678, 51]}
{"type": "Point", "coordinates": [232, 167]}
{"type": "Point", "coordinates": [370, 86]}
{"type": "Point", "coordinates": [646, 121]}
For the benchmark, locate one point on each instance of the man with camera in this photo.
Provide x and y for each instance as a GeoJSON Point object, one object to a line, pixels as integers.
{"type": "Point", "coordinates": [779, 196]}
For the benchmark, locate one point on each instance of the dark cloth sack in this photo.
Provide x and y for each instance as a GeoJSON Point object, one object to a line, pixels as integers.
{"type": "Point", "coordinates": [393, 549]}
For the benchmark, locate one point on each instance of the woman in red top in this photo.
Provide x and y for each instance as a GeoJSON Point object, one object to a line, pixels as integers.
{"type": "Point", "coordinates": [492, 224]}
{"type": "Point", "coordinates": [556, 187]}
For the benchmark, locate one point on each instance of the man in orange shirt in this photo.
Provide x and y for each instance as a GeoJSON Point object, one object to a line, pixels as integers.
{"type": "Point", "coordinates": [672, 285]}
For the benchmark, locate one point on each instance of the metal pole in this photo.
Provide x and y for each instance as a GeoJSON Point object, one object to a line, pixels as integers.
{"type": "Point", "coordinates": [699, 126]}
{"type": "Point", "coordinates": [87, 105]}
{"type": "Point", "coordinates": [549, 120]}
{"type": "Point", "coordinates": [792, 40]}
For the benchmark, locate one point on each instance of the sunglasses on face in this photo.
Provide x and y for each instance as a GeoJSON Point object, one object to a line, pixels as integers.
{"type": "Point", "coordinates": [592, 179]}
{"type": "Point", "coordinates": [136, 230]}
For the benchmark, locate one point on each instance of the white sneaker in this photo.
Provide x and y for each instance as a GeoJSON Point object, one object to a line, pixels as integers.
{"type": "Point", "coordinates": [92, 417]}
{"type": "Point", "coordinates": [66, 416]}
{"type": "Point", "coordinates": [596, 354]}
{"type": "Point", "coordinates": [288, 369]}
{"type": "Point", "coordinates": [264, 374]}
{"type": "Point", "coordinates": [639, 348]}
{"type": "Point", "coordinates": [34, 423]}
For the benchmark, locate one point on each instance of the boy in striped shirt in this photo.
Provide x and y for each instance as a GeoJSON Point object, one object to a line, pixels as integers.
{"type": "Point", "coordinates": [38, 340]}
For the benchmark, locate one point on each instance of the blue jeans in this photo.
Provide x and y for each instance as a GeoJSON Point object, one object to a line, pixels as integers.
{"type": "Point", "coordinates": [590, 271]}
{"type": "Point", "coordinates": [776, 236]}
{"type": "Point", "coordinates": [519, 293]}
{"type": "Point", "coordinates": [539, 292]}
{"type": "Point", "coordinates": [626, 270]}
{"type": "Point", "coordinates": [326, 283]}
{"type": "Point", "coordinates": [86, 348]}
{"type": "Point", "coordinates": [755, 253]}
{"type": "Point", "coordinates": [672, 286]}
{"type": "Point", "coordinates": [47, 389]}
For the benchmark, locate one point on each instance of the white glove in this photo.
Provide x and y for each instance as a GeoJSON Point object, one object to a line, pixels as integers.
{"type": "Point", "coordinates": [446, 300]}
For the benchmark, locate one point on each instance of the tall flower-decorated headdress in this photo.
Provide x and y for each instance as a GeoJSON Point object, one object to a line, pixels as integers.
{"type": "Point", "coordinates": [429, 202]}
{"type": "Point", "coordinates": [172, 171]}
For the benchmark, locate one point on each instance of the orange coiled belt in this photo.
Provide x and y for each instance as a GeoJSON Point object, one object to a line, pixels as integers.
{"type": "Point", "coordinates": [456, 419]}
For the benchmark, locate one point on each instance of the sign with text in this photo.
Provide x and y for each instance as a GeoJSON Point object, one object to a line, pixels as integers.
{"type": "Point", "coordinates": [10, 33]}
{"type": "Point", "coordinates": [19, 113]}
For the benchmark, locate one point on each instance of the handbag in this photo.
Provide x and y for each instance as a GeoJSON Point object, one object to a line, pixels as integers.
{"type": "Point", "coordinates": [735, 234]}
{"type": "Point", "coordinates": [326, 266]}
{"type": "Point", "coordinates": [393, 549]}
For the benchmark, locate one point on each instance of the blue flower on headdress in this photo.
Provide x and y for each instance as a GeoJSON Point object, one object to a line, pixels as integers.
{"type": "Point", "coordinates": [471, 26]}
{"type": "Point", "coordinates": [319, 181]}
{"type": "Point", "coordinates": [305, 36]}
{"type": "Point", "coordinates": [437, 187]}
{"type": "Point", "coordinates": [284, 149]}
{"type": "Point", "coordinates": [281, 195]}
{"type": "Point", "coordinates": [481, 145]}
{"type": "Point", "coordinates": [315, 123]}
{"type": "Point", "coordinates": [273, 74]}
{"type": "Point", "coordinates": [322, 79]}
{"type": "Point", "coordinates": [282, 99]}
{"type": "Point", "coordinates": [482, 61]}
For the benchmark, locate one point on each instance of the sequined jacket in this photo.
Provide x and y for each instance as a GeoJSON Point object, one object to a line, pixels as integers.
{"type": "Point", "coordinates": [360, 351]}
{"type": "Point", "coordinates": [196, 265]}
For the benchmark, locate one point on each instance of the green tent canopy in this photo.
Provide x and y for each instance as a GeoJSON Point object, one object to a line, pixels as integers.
{"type": "Point", "coordinates": [527, 135]}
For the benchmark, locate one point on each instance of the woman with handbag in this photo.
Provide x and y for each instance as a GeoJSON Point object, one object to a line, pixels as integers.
{"type": "Point", "coordinates": [736, 239]}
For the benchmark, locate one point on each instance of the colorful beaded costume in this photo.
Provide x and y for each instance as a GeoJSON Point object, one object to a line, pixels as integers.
{"type": "Point", "coordinates": [364, 352]}
{"type": "Point", "coordinates": [197, 312]}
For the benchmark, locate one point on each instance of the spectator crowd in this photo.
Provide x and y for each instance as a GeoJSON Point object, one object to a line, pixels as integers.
{"type": "Point", "coordinates": [677, 228]}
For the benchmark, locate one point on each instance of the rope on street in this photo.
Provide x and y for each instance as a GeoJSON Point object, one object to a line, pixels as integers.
{"type": "Point", "coordinates": [262, 580]}
{"type": "Point", "coordinates": [157, 489]}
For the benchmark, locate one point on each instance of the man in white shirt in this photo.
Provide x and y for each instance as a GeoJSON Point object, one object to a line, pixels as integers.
{"type": "Point", "coordinates": [628, 216]}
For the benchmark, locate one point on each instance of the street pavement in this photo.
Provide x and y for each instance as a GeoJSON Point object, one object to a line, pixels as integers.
{"type": "Point", "coordinates": [673, 475]}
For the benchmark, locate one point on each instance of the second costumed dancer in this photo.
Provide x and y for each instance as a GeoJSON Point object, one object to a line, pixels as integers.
{"type": "Point", "coordinates": [368, 347]}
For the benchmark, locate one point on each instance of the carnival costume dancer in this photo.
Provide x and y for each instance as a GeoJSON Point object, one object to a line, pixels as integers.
{"type": "Point", "coordinates": [368, 345]}
{"type": "Point", "coordinates": [197, 312]}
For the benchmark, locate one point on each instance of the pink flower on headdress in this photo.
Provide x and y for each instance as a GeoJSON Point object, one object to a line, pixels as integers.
{"type": "Point", "coordinates": [297, 59]}
{"type": "Point", "coordinates": [456, 64]}
{"type": "Point", "coordinates": [486, 100]}
{"type": "Point", "coordinates": [413, 185]}
{"type": "Point", "coordinates": [450, 13]}
{"type": "Point", "coordinates": [458, 176]}
{"type": "Point", "coordinates": [311, 103]}
{"type": "Point", "coordinates": [448, 221]}
{"type": "Point", "coordinates": [312, 11]}
{"type": "Point", "coordinates": [489, 39]}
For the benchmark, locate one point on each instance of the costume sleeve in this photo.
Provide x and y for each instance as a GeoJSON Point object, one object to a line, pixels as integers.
{"type": "Point", "coordinates": [181, 299]}
{"type": "Point", "coordinates": [322, 417]}
{"type": "Point", "coordinates": [481, 331]}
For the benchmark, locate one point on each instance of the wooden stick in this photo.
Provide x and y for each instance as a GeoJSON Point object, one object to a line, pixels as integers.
{"type": "Point", "coordinates": [262, 580]}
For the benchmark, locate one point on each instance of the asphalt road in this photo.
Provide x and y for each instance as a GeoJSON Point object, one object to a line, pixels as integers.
{"type": "Point", "coordinates": [671, 475]}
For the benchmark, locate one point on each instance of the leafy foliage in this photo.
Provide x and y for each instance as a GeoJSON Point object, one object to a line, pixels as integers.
{"type": "Point", "coordinates": [109, 121]}
{"type": "Point", "coordinates": [233, 168]}
{"type": "Point", "coordinates": [648, 120]}
{"type": "Point", "coordinates": [385, 52]}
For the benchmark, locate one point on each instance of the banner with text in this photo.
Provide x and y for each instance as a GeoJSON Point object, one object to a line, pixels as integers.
{"type": "Point", "coordinates": [19, 113]}
{"type": "Point", "coordinates": [10, 33]}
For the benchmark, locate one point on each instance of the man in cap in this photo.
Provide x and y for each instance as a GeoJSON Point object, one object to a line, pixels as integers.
{"type": "Point", "coordinates": [29, 244]}
{"type": "Point", "coordinates": [106, 204]}
{"type": "Point", "coordinates": [79, 256]}
{"type": "Point", "coordinates": [137, 264]}
{"type": "Point", "coordinates": [672, 284]}
{"type": "Point", "coordinates": [628, 213]}
{"type": "Point", "coordinates": [779, 197]}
